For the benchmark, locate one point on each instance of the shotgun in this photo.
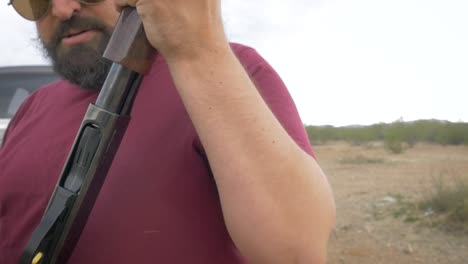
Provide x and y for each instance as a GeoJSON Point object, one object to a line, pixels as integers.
{"type": "Point", "coordinates": [95, 145]}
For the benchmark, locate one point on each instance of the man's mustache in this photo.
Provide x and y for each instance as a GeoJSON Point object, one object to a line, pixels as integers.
{"type": "Point", "coordinates": [76, 22]}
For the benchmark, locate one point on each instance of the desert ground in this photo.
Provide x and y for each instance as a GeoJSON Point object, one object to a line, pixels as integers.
{"type": "Point", "coordinates": [375, 192]}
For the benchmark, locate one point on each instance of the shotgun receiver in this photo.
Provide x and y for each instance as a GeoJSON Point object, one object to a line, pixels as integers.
{"type": "Point", "coordinates": [96, 143]}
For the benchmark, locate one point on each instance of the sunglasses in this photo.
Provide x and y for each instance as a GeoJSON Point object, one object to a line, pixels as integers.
{"type": "Point", "coordinates": [36, 9]}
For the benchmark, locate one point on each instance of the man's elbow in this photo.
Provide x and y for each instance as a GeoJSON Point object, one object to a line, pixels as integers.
{"type": "Point", "coordinates": [310, 245]}
{"type": "Point", "coordinates": [314, 247]}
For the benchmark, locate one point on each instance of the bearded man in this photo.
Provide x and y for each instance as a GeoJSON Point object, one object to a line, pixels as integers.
{"type": "Point", "coordinates": [215, 165]}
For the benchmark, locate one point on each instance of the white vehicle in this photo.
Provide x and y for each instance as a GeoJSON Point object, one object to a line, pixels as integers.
{"type": "Point", "coordinates": [16, 84]}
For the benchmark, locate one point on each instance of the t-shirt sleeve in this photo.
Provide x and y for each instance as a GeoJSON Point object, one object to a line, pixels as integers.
{"type": "Point", "coordinates": [274, 92]}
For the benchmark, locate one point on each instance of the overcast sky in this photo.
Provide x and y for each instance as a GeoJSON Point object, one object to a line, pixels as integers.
{"type": "Point", "coordinates": [344, 61]}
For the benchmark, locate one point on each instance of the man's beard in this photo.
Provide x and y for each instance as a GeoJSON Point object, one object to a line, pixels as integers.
{"type": "Point", "coordinates": [81, 64]}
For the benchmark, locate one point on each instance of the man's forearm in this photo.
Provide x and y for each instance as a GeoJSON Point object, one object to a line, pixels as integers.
{"type": "Point", "coordinates": [276, 201]}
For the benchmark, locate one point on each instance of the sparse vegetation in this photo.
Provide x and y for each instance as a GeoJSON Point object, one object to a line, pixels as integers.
{"type": "Point", "coordinates": [395, 146]}
{"type": "Point", "coordinates": [380, 216]}
{"type": "Point", "coordinates": [396, 135]}
{"type": "Point", "coordinates": [445, 206]}
{"type": "Point", "coordinates": [397, 206]}
{"type": "Point", "coordinates": [360, 159]}
{"type": "Point", "coordinates": [450, 199]}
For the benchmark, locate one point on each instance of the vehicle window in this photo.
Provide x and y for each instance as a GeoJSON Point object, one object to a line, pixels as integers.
{"type": "Point", "coordinates": [16, 87]}
{"type": "Point", "coordinates": [16, 84]}
{"type": "Point", "coordinates": [16, 101]}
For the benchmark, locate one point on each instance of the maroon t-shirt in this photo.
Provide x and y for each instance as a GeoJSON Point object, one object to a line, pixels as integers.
{"type": "Point", "coordinates": [159, 203]}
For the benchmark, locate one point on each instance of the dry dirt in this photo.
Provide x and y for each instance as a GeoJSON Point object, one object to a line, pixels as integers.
{"type": "Point", "coordinates": [370, 186]}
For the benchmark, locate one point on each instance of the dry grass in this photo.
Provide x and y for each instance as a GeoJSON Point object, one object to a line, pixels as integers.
{"type": "Point", "coordinates": [449, 198]}
{"type": "Point", "coordinates": [360, 159]}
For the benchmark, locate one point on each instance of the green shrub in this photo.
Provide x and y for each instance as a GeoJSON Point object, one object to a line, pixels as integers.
{"type": "Point", "coordinates": [394, 146]}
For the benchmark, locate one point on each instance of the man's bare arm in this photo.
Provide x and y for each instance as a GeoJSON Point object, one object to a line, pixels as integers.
{"type": "Point", "coordinates": [276, 201]}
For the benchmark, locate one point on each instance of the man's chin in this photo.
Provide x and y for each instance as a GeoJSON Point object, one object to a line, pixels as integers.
{"type": "Point", "coordinates": [82, 65]}
{"type": "Point", "coordinates": [79, 54]}
{"type": "Point", "coordinates": [80, 50]}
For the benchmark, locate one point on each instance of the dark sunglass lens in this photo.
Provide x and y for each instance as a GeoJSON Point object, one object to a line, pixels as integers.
{"type": "Point", "coordinates": [31, 9]}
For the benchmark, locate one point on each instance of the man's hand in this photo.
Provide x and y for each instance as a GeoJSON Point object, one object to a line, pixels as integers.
{"type": "Point", "coordinates": [178, 29]}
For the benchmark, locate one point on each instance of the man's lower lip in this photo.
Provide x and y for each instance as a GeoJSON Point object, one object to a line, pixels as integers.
{"type": "Point", "coordinates": [79, 38]}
